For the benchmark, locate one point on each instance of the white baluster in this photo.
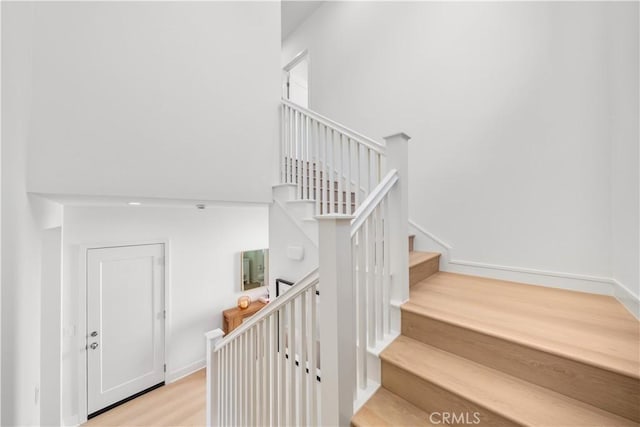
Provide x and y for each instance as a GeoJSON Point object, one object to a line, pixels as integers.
{"type": "Point", "coordinates": [308, 154]}
{"type": "Point", "coordinates": [313, 397]}
{"type": "Point", "coordinates": [297, 163]}
{"type": "Point", "coordinates": [349, 177]}
{"type": "Point", "coordinates": [331, 177]}
{"type": "Point", "coordinates": [264, 374]}
{"type": "Point", "coordinates": [316, 166]}
{"type": "Point", "coordinates": [386, 273]}
{"type": "Point", "coordinates": [243, 379]}
{"type": "Point", "coordinates": [379, 291]}
{"type": "Point", "coordinates": [281, 144]}
{"type": "Point", "coordinates": [360, 310]}
{"type": "Point", "coordinates": [359, 173]}
{"type": "Point", "coordinates": [368, 158]}
{"type": "Point", "coordinates": [292, 363]}
{"type": "Point", "coordinates": [227, 385]}
{"type": "Point", "coordinates": [340, 175]}
{"type": "Point", "coordinates": [303, 157]}
{"type": "Point", "coordinates": [327, 168]}
{"type": "Point", "coordinates": [274, 354]}
{"type": "Point", "coordinates": [282, 390]}
{"type": "Point", "coordinates": [371, 307]}
{"type": "Point", "coordinates": [303, 360]}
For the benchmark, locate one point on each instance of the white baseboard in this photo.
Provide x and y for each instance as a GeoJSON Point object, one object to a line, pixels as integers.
{"type": "Point", "coordinates": [71, 421]}
{"type": "Point", "coordinates": [551, 279]}
{"type": "Point", "coordinates": [627, 298]}
{"type": "Point", "coordinates": [185, 371]}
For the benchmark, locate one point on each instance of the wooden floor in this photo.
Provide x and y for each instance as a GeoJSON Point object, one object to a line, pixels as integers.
{"type": "Point", "coordinates": [594, 329]}
{"type": "Point", "coordinates": [181, 403]}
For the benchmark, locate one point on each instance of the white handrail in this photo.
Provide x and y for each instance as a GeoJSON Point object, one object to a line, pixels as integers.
{"type": "Point", "coordinates": [299, 287]}
{"type": "Point", "coordinates": [364, 140]}
{"type": "Point", "coordinates": [373, 200]}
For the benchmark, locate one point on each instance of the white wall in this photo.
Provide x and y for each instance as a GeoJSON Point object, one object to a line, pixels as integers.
{"type": "Point", "coordinates": [203, 276]}
{"type": "Point", "coordinates": [51, 327]}
{"type": "Point", "coordinates": [625, 113]}
{"type": "Point", "coordinates": [284, 233]}
{"type": "Point", "coordinates": [155, 99]}
{"type": "Point", "coordinates": [508, 107]}
{"type": "Point", "coordinates": [24, 218]}
{"type": "Point", "coordinates": [128, 99]}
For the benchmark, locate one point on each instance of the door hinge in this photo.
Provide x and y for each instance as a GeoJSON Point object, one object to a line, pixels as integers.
{"type": "Point", "coordinates": [164, 314]}
{"type": "Point", "coordinates": [165, 367]}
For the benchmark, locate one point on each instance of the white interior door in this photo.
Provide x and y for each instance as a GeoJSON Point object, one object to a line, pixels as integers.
{"type": "Point", "coordinates": [125, 322]}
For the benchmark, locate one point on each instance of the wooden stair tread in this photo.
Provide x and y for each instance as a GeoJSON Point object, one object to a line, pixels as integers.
{"type": "Point", "coordinates": [416, 257]}
{"type": "Point", "coordinates": [385, 408]}
{"type": "Point", "coordinates": [509, 397]}
{"type": "Point", "coordinates": [588, 328]}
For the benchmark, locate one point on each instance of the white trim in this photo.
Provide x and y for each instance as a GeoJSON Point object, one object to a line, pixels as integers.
{"type": "Point", "coordinates": [71, 421]}
{"type": "Point", "coordinates": [525, 270]}
{"type": "Point", "coordinates": [627, 298]}
{"type": "Point", "coordinates": [553, 279]}
{"type": "Point", "coordinates": [429, 235]}
{"type": "Point", "coordinates": [296, 60]}
{"type": "Point", "coordinates": [83, 413]}
{"type": "Point", "coordinates": [185, 371]}
{"type": "Point", "coordinates": [301, 56]}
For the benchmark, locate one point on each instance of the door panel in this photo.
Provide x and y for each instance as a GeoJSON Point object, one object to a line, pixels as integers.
{"type": "Point", "coordinates": [125, 311]}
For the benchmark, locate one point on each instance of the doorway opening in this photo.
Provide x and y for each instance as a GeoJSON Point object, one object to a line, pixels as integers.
{"type": "Point", "coordinates": [295, 85]}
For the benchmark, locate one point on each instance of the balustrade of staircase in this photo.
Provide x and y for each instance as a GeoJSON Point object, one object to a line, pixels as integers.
{"type": "Point", "coordinates": [310, 357]}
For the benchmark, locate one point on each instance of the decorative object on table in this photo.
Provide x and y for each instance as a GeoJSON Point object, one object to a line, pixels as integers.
{"type": "Point", "coordinates": [233, 317]}
{"type": "Point", "coordinates": [253, 269]}
{"type": "Point", "coordinates": [243, 302]}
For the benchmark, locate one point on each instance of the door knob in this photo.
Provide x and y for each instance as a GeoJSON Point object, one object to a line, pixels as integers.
{"type": "Point", "coordinates": [94, 333]}
{"type": "Point", "coordinates": [94, 345]}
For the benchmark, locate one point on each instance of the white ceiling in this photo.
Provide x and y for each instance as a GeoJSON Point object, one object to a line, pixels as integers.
{"type": "Point", "coordinates": [295, 12]}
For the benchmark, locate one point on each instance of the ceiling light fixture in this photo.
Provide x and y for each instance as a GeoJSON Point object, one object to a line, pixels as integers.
{"type": "Point", "coordinates": [134, 203]}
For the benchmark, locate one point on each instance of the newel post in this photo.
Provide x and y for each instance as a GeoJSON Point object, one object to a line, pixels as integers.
{"type": "Point", "coordinates": [398, 158]}
{"type": "Point", "coordinates": [337, 322]}
{"type": "Point", "coordinates": [213, 377]}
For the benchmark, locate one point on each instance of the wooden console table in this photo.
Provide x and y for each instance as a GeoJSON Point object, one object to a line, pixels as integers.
{"type": "Point", "coordinates": [232, 317]}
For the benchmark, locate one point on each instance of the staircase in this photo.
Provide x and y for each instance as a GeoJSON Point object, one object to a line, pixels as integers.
{"type": "Point", "coordinates": [408, 346]}
{"type": "Point", "coordinates": [489, 352]}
